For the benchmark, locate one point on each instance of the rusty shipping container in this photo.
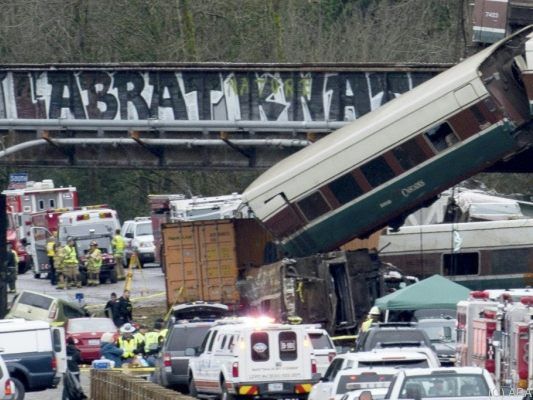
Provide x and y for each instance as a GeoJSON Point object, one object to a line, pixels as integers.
{"type": "Point", "coordinates": [204, 259]}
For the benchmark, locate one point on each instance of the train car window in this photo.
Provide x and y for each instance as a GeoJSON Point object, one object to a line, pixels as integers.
{"type": "Point", "coordinates": [442, 137]}
{"type": "Point", "coordinates": [345, 188]}
{"type": "Point", "coordinates": [377, 171]}
{"type": "Point", "coordinates": [409, 154]}
{"type": "Point", "coordinates": [460, 264]}
{"type": "Point", "coordinates": [313, 206]}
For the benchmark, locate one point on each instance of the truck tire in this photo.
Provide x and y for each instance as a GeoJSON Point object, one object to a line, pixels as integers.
{"type": "Point", "coordinates": [192, 388]}
{"type": "Point", "coordinates": [20, 389]}
{"type": "Point", "coordinates": [225, 394]}
{"type": "Point", "coordinates": [113, 276]}
{"type": "Point", "coordinates": [83, 278]}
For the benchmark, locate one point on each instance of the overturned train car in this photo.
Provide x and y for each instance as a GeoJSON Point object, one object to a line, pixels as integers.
{"type": "Point", "coordinates": [390, 162]}
{"type": "Point", "coordinates": [335, 289]}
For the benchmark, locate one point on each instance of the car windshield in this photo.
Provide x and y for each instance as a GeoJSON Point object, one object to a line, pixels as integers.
{"type": "Point", "coordinates": [91, 325]}
{"type": "Point", "coordinates": [184, 337]}
{"type": "Point", "coordinates": [319, 341]}
{"type": "Point", "coordinates": [395, 336]}
{"type": "Point", "coordinates": [361, 381]}
{"type": "Point", "coordinates": [444, 385]}
{"type": "Point", "coordinates": [35, 300]}
{"type": "Point", "coordinates": [144, 229]}
{"type": "Point", "coordinates": [393, 363]}
{"type": "Point", "coordinates": [439, 333]}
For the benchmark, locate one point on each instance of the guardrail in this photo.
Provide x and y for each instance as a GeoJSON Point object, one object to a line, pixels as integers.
{"type": "Point", "coordinates": [117, 385]}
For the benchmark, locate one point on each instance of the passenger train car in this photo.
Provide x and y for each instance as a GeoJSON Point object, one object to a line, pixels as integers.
{"type": "Point", "coordinates": [383, 166]}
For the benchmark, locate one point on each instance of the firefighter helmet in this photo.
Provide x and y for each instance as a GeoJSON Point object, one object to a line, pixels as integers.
{"type": "Point", "coordinates": [374, 311]}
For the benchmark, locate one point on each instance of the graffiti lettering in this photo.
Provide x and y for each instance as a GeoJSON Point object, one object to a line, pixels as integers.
{"type": "Point", "coordinates": [200, 95]}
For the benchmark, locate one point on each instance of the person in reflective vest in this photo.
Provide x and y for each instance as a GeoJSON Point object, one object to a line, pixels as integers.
{"type": "Point", "coordinates": [94, 263]}
{"type": "Point", "coordinates": [128, 343]}
{"type": "Point", "coordinates": [50, 252]}
{"type": "Point", "coordinates": [152, 344]}
{"type": "Point", "coordinates": [70, 262]}
{"type": "Point", "coordinates": [118, 243]}
{"type": "Point", "coordinates": [373, 317]}
{"type": "Point", "coordinates": [140, 336]}
{"type": "Point", "coordinates": [12, 267]}
{"type": "Point", "coordinates": [59, 255]}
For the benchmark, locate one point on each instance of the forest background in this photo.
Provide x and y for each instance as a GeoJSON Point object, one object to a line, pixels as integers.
{"type": "Point", "coordinates": [255, 31]}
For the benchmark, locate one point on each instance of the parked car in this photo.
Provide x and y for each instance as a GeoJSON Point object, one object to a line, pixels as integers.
{"type": "Point", "coordinates": [323, 348]}
{"type": "Point", "coordinates": [86, 333]}
{"type": "Point", "coordinates": [378, 358]}
{"type": "Point", "coordinates": [443, 335]}
{"type": "Point", "coordinates": [443, 383]}
{"type": "Point", "coordinates": [182, 342]}
{"type": "Point", "coordinates": [392, 334]}
{"type": "Point", "coordinates": [254, 358]}
{"type": "Point", "coordinates": [41, 307]}
{"type": "Point", "coordinates": [139, 237]}
{"type": "Point", "coordinates": [34, 353]}
{"type": "Point", "coordinates": [355, 381]}
{"type": "Point", "coordinates": [7, 386]}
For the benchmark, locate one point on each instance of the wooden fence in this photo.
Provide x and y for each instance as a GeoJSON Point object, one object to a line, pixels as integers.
{"type": "Point", "coordinates": [116, 385]}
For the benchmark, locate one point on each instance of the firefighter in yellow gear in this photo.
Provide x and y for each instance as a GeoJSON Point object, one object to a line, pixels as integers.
{"type": "Point", "coordinates": [128, 343]}
{"type": "Point", "coordinates": [118, 243]}
{"type": "Point", "coordinates": [59, 255]}
{"type": "Point", "coordinates": [372, 318]}
{"type": "Point", "coordinates": [50, 252]}
{"type": "Point", "coordinates": [140, 335]}
{"type": "Point", "coordinates": [93, 263]}
{"type": "Point", "coordinates": [70, 262]}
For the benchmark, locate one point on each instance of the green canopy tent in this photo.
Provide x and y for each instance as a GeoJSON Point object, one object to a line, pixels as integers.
{"type": "Point", "coordinates": [435, 292]}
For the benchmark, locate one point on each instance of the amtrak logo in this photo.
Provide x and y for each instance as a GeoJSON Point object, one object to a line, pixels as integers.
{"type": "Point", "coordinates": [414, 187]}
{"type": "Point", "coordinates": [260, 347]}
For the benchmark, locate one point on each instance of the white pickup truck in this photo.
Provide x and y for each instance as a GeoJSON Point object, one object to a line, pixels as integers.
{"type": "Point", "coordinates": [445, 383]}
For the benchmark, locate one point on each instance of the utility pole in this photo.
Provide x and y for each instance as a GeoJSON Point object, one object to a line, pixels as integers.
{"type": "Point", "coordinates": [3, 266]}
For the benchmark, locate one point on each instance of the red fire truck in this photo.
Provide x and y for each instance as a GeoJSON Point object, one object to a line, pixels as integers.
{"type": "Point", "coordinates": [498, 331]}
{"type": "Point", "coordinates": [21, 206]}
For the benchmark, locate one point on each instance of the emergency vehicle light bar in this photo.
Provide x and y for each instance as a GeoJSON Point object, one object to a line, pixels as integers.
{"type": "Point", "coordinates": [478, 294]}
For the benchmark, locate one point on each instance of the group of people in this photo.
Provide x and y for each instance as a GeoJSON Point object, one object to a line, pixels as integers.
{"type": "Point", "coordinates": [133, 343]}
{"type": "Point", "coordinates": [64, 263]}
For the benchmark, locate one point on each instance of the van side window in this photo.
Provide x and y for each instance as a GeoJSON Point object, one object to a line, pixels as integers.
{"type": "Point", "coordinates": [377, 171]}
{"type": "Point", "coordinates": [260, 347]}
{"type": "Point", "coordinates": [345, 188]}
{"type": "Point", "coordinates": [332, 370]}
{"type": "Point", "coordinates": [56, 340]}
{"type": "Point", "coordinates": [409, 154]}
{"type": "Point", "coordinates": [313, 206]}
{"type": "Point", "coordinates": [223, 342]}
{"type": "Point", "coordinates": [212, 341]}
{"type": "Point", "coordinates": [287, 346]}
{"type": "Point", "coordinates": [441, 137]}
{"type": "Point", "coordinates": [204, 344]}
{"type": "Point", "coordinates": [230, 343]}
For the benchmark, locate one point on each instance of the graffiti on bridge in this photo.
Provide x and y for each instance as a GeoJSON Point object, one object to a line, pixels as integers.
{"type": "Point", "coordinates": [200, 95]}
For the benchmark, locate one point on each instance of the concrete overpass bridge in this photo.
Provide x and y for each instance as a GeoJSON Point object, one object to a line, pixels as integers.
{"type": "Point", "coordinates": [189, 116]}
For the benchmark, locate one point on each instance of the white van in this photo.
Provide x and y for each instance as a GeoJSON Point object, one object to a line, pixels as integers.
{"type": "Point", "coordinates": [254, 359]}
{"type": "Point", "coordinates": [34, 353]}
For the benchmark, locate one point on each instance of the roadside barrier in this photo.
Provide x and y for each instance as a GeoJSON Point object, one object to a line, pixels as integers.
{"type": "Point", "coordinates": [117, 385]}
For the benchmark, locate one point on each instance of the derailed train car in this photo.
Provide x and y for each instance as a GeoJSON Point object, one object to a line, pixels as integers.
{"type": "Point", "coordinates": [334, 289]}
{"type": "Point", "coordinates": [387, 164]}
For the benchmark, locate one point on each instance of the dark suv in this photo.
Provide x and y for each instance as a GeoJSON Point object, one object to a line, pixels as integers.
{"type": "Point", "coordinates": [392, 335]}
{"type": "Point", "coordinates": [182, 342]}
